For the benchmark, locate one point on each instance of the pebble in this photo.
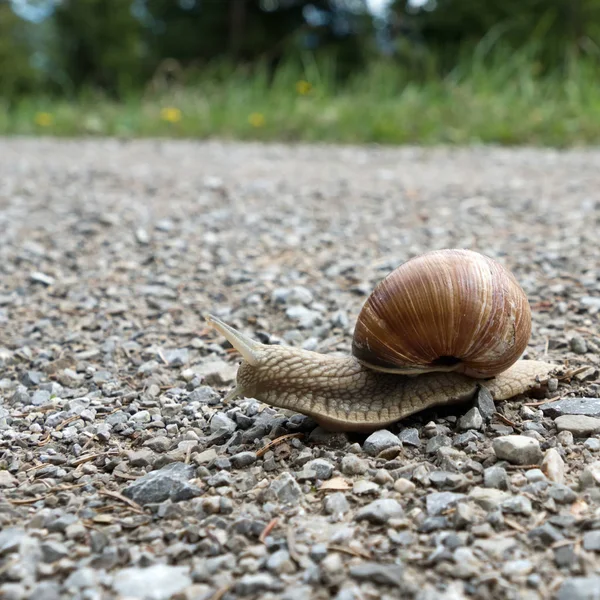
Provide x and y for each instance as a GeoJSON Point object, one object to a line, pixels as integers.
{"type": "Point", "coordinates": [471, 420]}
{"type": "Point", "coordinates": [553, 466]}
{"type": "Point", "coordinates": [439, 502]}
{"type": "Point", "coordinates": [170, 482]}
{"type": "Point", "coordinates": [379, 441]}
{"type": "Point", "coordinates": [578, 345]}
{"type": "Point", "coordinates": [243, 459]}
{"type": "Point", "coordinates": [404, 486]}
{"type": "Point", "coordinates": [158, 582]}
{"type": "Point", "coordinates": [286, 489]}
{"type": "Point", "coordinates": [380, 511]}
{"type": "Point", "coordinates": [488, 498]}
{"type": "Point", "coordinates": [485, 404]}
{"type": "Point", "coordinates": [517, 449]}
{"type": "Point", "coordinates": [589, 407]}
{"type": "Point", "coordinates": [410, 437]}
{"type": "Point", "coordinates": [336, 504]}
{"type": "Point", "coordinates": [353, 465]}
{"type": "Point", "coordinates": [591, 540]}
{"type": "Point", "coordinates": [495, 477]}
{"type": "Point", "coordinates": [579, 588]}
{"type": "Point", "coordinates": [578, 425]}
{"type": "Point", "coordinates": [385, 574]}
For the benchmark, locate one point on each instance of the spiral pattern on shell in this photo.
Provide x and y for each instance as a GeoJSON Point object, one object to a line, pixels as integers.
{"type": "Point", "coordinates": [446, 310]}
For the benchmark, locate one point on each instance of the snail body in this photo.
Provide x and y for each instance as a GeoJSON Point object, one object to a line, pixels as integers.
{"type": "Point", "coordinates": [433, 331]}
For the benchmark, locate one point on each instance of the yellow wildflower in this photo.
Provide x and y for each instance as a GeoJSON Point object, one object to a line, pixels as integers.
{"type": "Point", "coordinates": [170, 114]}
{"type": "Point", "coordinates": [256, 119]}
{"type": "Point", "coordinates": [43, 119]}
{"type": "Point", "coordinates": [303, 87]}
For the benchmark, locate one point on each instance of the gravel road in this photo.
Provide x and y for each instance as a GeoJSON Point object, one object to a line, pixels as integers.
{"type": "Point", "coordinates": [123, 474]}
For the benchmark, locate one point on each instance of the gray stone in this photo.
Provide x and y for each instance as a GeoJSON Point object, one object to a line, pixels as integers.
{"type": "Point", "coordinates": [578, 345]}
{"type": "Point", "coordinates": [305, 317]}
{"type": "Point", "coordinates": [438, 502]}
{"type": "Point", "coordinates": [177, 357]}
{"type": "Point", "coordinates": [380, 511]}
{"type": "Point", "coordinates": [437, 442]}
{"type": "Point", "coordinates": [160, 443]}
{"type": "Point", "coordinates": [591, 540]}
{"type": "Point", "coordinates": [243, 459]}
{"type": "Point", "coordinates": [578, 425]}
{"type": "Point", "coordinates": [158, 582]}
{"type": "Point", "coordinates": [286, 489]}
{"type": "Point", "coordinates": [488, 498]}
{"type": "Point", "coordinates": [546, 534]}
{"type": "Point", "coordinates": [10, 540]}
{"type": "Point", "coordinates": [589, 407]}
{"type": "Point", "coordinates": [53, 551]}
{"type": "Point", "coordinates": [258, 582]}
{"type": "Point", "coordinates": [410, 437]}
{"type": "Point", "coordinates": [384, 574]}
{"type": "Point", "coordinates": [316, 469]}
{"type": "Point", "coordinates": [590, 476]}
{"type": "Point", "coordinates": [45, 590]}
{"type": "Point", "coordinates": [563, 494]}
{"type": "Point", "coordinates": [216, 372]}
{"type": "Point", "coordinates": [336, 504]}
{"type": "Point", "coordinates": [518, 449]}
{"type": "Point", "coordinates": [353, 465]}
{"type": "Point", "coordinates": [220, 421]}
{"type": "Point", "coordinates": [82, 578]}
{"type": "Point", "coordinates": [379, 441]}
{"type": "Point", "coordinates": [13, 591]}
{"type": "Point", "coordinates": [485, 403]}
{"type": "Point", "coordinates": [280, 562]}
{"type": "Point", "coordinates": [580, 588]}
{"type": "Point", "coordinates": [520, 505]}
{"type": "Point", "coordinates": [170, 482]}
{"type": "Point", "coordinates": [471, 420]}
{"type": "Point", "coordinates": [495, 477]}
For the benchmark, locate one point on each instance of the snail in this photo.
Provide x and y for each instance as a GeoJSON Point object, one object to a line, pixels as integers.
{"type": "Point", "coordinates": [431, 333]}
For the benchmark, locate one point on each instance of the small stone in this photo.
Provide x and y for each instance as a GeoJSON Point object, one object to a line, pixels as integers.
{"type": "Point", "coordinates": [353, 465]}
{"type": "Point", "coordinates": [379, 441]}
{"type": "Point", "coordinates": [578, 425]}
{"type": "Point", "coordinates": [488, 498]}
{"type": "Point", "coordinates": [170, 482]}
{"type": "Point", "coordinates": [592, 444]}
{"type": "Point", "coordinates": [206, 457]}
{"type": "Point", "coordinates": [7, 480]}
{"type": "Point", "coordinates": [221, 422]}
{"type": "Point", "coordinates": [363, 487]}
{"type": "Point", "coordinates": [410, 437]}
{"type": "Point", "coordinates": [517, 449]}
{"type": "Point", "coordinates": [380, 511]}
{"type": "Point", "coordinates": [546, 534]}
{"type": "Point", "coordinates": [243, 459]}
{"type": "Point", "coordinates": [286, 489]}
{"type": "Point", "coordinates": [579, 588]}
{"type": "Point", "coordinates": [495, 477]}
{"type": "Point", "coordinates": [485, 403]}
{"type": "Point", "coordinates": [384, 574]}
{"type": "Point", "coordinates": [563, 494]}
{"type": "Point", "coordinates": [517, 568]}
{"type": "Point", "coordinates": [590, 476]}
{"type": "Point", "coordinates": [589, 407]}
{"type": "Point", "coordinates": [404, 486]}
{"type": "Point", "coordinates": [13, 591]}
{"type": "Point", "coordinates": [160, 444]}
{"type": "Point", "coordinates": [280, 562]}
{"type": "Point", "coordinates": [471, 420]}
{"type": "Point", "coordinates": [158, 582]}
{"type": "Point", "coordinates": [336, 504]}
{"type": "Point", "coordinates": [217, 372]}
{"type": "Point", "coordinates": [578, 345]}
{"type": "Point", "coordinates": [257, 582]}
{"type": "Point", "coordinates": [318, 469]}
{"type": "Point", "coordinates": [383, 477]}
{"type": "Point", "coordinates": [535, 475]}
{"type": "Point", "coordinates": [437, 442]}
{"type": "Point", "coordinates": [591, 540]}
{"type": "Point", "coordinates": [38, 277]}
{"type": "Point", "coordinates": [438, 502]}
{"type": "Point", "coordinates": [520, 505]}
{"type": "Point", "coordinates": [553, 466]}
{"type": "Point", "coordinates": [53, 551]}
{"type": "Point", "coordinates": [140, 458]}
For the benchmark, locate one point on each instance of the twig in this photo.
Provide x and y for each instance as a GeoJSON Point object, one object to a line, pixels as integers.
{"type": "Point", "coordinates": [66, 422]}
{"type": "Point", "coordinates": [516, 526]}
{"type": "Point", "coordinates": [88, 457]}
{"type": "Point", "coordinates": [267, 530]}
{"type": "Point", "coordinates": [542, 402]}
{"type": "Point", "coordinates": [117, 496]}
{"type": "Point", "coordinates": [506, 421]}
{"type": "Point", "coordinates": [349, 551]}
{"type": "Point", "coordinates": [220, 592]}
{"type": "Point", "coordinates": [162, 357]}
{"type": "Point", "coordinates": [277, 441]}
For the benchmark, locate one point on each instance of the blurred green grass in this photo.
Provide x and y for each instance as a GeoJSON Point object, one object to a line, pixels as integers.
{"type": "Point", "coordinates": [503, 99]}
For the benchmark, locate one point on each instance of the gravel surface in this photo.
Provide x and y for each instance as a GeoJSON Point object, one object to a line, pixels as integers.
{"type": "Point", "coordinates": [123, 474]}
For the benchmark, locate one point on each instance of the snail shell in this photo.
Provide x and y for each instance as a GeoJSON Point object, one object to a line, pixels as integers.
{"type": "Point", "coordinates": [446, 310]}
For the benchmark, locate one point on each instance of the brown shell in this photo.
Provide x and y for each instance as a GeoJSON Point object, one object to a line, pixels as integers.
{"type": "Point", "coordinates": [447, 310]}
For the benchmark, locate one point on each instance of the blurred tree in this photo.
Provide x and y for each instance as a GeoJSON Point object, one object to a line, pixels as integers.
{"type": "Point", "coordinates": [101, 44]}
{"type": "Point", "coordinates": [555, 29]}
{"type": "Point", "coordinates": [17, 74]}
